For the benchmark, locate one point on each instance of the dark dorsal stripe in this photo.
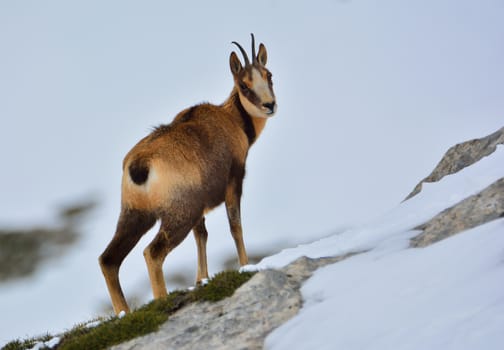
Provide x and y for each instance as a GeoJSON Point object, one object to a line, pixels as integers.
{"type": "Point", "coordinates": [248, 125]}
{"type": "Point", "coordinates": [187, 115]}
{"type": "Point", "coordinates": [139, 171]}
{"type": "Point", "coordinates": [162, 129]}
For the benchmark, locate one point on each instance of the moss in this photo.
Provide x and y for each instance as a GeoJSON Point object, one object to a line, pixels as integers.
{"type": "Point", "coordinates": [20, 344]}
{"type": "Point", "coordinates": [142, 321]}
{"type": "Point", "coordinates": [25, 344]}
{"type": "Point", "coordinates": [221, 286]}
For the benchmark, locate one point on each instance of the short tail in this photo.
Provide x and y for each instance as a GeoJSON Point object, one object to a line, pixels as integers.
{"type": "Point", "coordinates": [139, 171]}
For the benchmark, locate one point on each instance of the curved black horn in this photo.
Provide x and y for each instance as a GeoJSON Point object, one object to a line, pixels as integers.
{"type": "Point", "coordinates": [245, 57]}
{"type": "Point", "coordinates": [254, 57]}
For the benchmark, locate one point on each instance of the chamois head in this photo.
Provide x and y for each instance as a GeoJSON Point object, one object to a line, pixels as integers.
{"type": "Point", "coordinates": [253, 82]}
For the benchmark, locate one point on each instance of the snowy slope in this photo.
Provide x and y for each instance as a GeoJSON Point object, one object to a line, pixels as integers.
{"type": "Point", "coordinates": [448, 295]}
{"type": "Point", "coordinates": [370, 93]}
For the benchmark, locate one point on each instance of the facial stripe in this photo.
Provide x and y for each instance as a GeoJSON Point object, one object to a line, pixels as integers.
{"type": "Point", "coordinates": [252, 97]}
{"type": "Point", "coordinates": [261, 86]}
{"type": "Point", "coordinates": [247, 89]}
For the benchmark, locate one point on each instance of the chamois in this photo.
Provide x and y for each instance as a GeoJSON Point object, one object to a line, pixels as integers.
{"type": "Point", "coordinates": [182, 170]}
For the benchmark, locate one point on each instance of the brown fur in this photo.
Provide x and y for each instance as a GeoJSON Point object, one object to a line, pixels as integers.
{"type": "Point", "coordinates": [181, 171]}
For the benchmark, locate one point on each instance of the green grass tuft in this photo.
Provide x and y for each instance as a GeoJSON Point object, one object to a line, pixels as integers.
{"type": "Point", "coordinates": [20, 344]}
{"type": "Point", "coordinates": [25, 344]}
{"type": "Point", "coordinates": [221, 286]}
{"type": "Point", "coordinates": [144, 320]}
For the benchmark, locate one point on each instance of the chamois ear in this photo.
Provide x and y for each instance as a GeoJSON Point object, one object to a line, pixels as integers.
{"type": "Point", "coordinates": [262, 55]}
{"type": "Point", "coordinates": [234, 63]}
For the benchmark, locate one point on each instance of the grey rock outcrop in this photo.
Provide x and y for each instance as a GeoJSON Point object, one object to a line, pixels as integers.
{"type": "Point", "coordinates": [242, 321]}
{"type": "Point", "coordinates": [22, 251]}
{"type": "Point", "coordinates": [462, 155]}
{"type": "Point", "coordinates": [475, 210]}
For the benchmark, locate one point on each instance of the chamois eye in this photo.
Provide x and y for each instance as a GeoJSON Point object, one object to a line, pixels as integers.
{"type": "Point", "coordinates": [244, 87]}
{"type": "Point", "coordinates": [270, 81]}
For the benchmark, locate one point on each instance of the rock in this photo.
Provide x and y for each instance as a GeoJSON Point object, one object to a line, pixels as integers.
{"type": "Point", "coordinates": [460, 156]}
{"type": "Point", "coordinates": [242, 321]}
{"type": "Point", "coordinates": [239, 322]}
{"type": "Point", "coordinates": [475, 210]}
{"type": "Point", "coordinates": [23, 251]}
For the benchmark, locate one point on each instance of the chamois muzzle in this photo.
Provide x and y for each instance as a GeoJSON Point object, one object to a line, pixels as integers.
{"type": "Point", "coordinates": [270, 106]}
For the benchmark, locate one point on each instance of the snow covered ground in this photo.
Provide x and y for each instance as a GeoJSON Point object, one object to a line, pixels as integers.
{"type": "Point", "coordinates": [370, 93]}
{"type": "Point", "coordinates": [448, 295]}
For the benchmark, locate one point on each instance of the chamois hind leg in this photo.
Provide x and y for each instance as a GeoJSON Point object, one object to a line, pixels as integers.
{"type": "Point", "coordinates": [201, 235]}
{"type": "Point", "coordinates": [170, 235]}
{"type": "Point", "coordinates": [233, 195]}
{"type": "Point", "coordinates": [132, 225]}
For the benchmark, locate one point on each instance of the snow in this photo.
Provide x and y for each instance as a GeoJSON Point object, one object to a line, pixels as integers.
{"type": "Point", "coordinates": [370, 95]}
{"type": "Point", "coordinates": [94, 324]}
{"type": "Point", "coordinates": [46, 344]}
{"type": "Point", "coordinates": [448, 295]}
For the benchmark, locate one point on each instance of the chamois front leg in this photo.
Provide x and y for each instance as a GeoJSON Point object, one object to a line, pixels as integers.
{"type": "Point", "coordinates": [233, 195]}
{"type": "Point", "coordinates": [201, 235]}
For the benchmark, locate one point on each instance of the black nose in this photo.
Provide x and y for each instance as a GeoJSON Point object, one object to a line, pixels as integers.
{"type": "Point", "coordinates": [270, 106]}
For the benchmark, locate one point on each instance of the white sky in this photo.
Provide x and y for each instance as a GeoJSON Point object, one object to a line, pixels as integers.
{"type": "Point", "coordinates": [370, 94]}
